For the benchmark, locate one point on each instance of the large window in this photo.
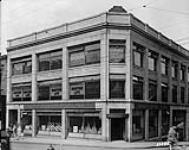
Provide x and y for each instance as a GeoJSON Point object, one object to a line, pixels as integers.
{"type": "Point", "coordinates": [164, 92]}
{"type": "Point", "coordinates": [152, 61]}
{"type": "Point", "coordinates": [153, 123]}
{"type": "Point", "coordinates": [50, 90]}
{"type": "Point", "coordinates": [182, 72]}
{"type": "Point", "coordinates": [152, 90]}
{"type": "Point", "coordinates": [182, 94]}
{"type": "Point", "coordinates": [174, 70]}
{"type": "Point", "coordinates": [21, 66]}
{"type": "Point", "coordinates": [84, 54]}
{"type": "Point", "coordinates": [164, 65]}
{"type": "Point", "coordinates": [117, 51]}
{"type": "Point", "coordinates": [21, 92]}
{"type": "Point", "coordinates": [138, 88]}
{"type": "Point", "coordinates": [50, 60]}
{"type": "Point", "coordinates": [174, 93]}
{"type": "Point", "coordinates": [117, 88]}
{"type": "Point", "coordinates": [165, 121]}
{"type": "Point", "coordinates": [138, 54]}
{"type": "Point", "coordinates": [85, 88]}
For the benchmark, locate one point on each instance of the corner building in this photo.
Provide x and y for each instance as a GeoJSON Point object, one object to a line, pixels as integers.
{"type": "Point", "coordinates": [107, 77]}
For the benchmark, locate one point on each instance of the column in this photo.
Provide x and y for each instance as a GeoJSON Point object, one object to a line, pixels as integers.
{"type": "Point", "coordinates": [179, 84]}
{"type": "Point", "coordinates": [9, 75]}
{"type": "Point", "coordinates": [64, 124]}
{"type": "Point", "coordinates": [186, 85]}
{"type": "Point", "coordinates": [34, 123]}
{"type": "Point", "coordinates": [105, 124]}
{"type": "Point", "coordinates": [146, 80]}
{"type": "Point", "coordinates": [7, 117]}
{"type": "Point", "coordinates": [159, 78]}
{"type": "Point", "coordinates": [170, 81]}
{"type": "Point", "coordinates": [146, 124]}
{"type": "Point", "coordinates": [19, 116]}
{"type": "Point", "coordinates": [65, 80]}
{"type": "Point", "coordinates": [130, 122]}
{"type": "Point", "coordinates": [104, 67]}
{"type": "Point", "coordinates": [34, 77]}
{"type": "Point", "coordinates": [159, 123]}
{"type": "Point", "coordinates": [171, 118]}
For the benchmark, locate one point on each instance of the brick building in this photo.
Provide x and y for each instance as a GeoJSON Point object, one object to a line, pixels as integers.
{"type": "Point", "coordinates": [108, 77]}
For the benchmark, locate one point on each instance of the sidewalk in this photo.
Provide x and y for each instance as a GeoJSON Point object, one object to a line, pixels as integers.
{"type": "Point", "coordinates": [88, 143]}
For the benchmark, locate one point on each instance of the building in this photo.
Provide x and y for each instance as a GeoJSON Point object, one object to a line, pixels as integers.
{"type": "Point", "coordinates": [3, 75]}
{"type": "Point", "coordinates": [108, 77]}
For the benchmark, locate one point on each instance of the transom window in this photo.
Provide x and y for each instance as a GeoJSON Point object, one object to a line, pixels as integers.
{"type": "Point", "coordinates": [84, 54]}
{"type": "Point", "coordinates": [117, 51]}
{"type": "Point", "coordinates": [50, 60]}
{"type": "Point", "coordinates": [21, 66]}
{"type": "Point", "coordinates": [21, 92]}
{"type": "Point", "coordinates": [50, 90]}
{"type": "Point", "coordinates": [138, 52]}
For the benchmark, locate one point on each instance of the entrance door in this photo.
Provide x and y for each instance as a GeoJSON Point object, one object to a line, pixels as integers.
{"type": "Point", "coordinates": [117, 128]}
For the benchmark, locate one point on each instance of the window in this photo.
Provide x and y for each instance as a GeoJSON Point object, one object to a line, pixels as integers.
{"type": "Point", "coordinates": [174, 70]}
{"type": "Point", "coordinates": [164, 66]}
{"type": "Point", "coordinates": [86, 88]}
{"type": "Point", "coordinates": [50, 61]}
{"type": "Point", "coordinates": [182, 73]}
{"type": "Point", "coordinates": [153, 123]}
{"type": "Point", "coordinates": [152, 90]}
{"type": "Point", "coordinates": [138, 88]}
{"type": "Point", "coordinates": [138, 51]}
{"type": "Point", "coordinates": [188, 74]}
{"type": "Point", "coordinates": [50, 90]}
{"type": "Point", "coordinates": [174, 93]}
{"type": "Point", "coordinates": [182, 94]}
{"type": "Point", "coordinates": [164, 92]}
{"type": "Point", "coordinates": [21, 92]}
{"type": "Point", "coordinates": [84, 54]}
{"type": "Point", "coordinates": [117, 88]}
{"type": "Point", "coordinates": [21, 66]}
{"type": "Point", "coordinates": [165, 121]}
{"type": "Point", "coordinates": [117, 51]}
{"type": "Point", "coordinates": [152, 61]}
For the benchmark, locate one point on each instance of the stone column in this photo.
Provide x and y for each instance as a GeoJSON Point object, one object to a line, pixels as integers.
{"type": "Point", "coordinates": [159, 123]}
{"type": "Point", "coordinates": [34, 123]}
{"type": "Point", "coordinates": [9, 75]}
{"type": "Point", "coordinates": [159, 78]}
{"type": "Point", "coordinates": [130, 122]}
{"type": "Point", "coordinates": [65, 80]}
{"type": "Point", "coordinates": [146, 124]}
{"type": "Point", "coordinates": [34, 77]}
{"type": "Point", "coordinates": [146, 80]}
{"type": "Point", "coordinates": [64, 124]}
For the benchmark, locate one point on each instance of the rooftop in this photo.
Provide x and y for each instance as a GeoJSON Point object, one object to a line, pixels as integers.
{"type": "Point", "coordinates": [116, 15]}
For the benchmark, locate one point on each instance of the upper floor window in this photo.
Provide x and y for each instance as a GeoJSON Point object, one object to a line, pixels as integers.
{"type": "Point", "coordinates": [138, 88]}
{"type": "Point", "coordinates": [152, 90]}
{"type": "Point", "coordinates": [182, 94]}
{"type": "Point", "coordinates": [21, 92]}
{"type": "Point", "coordinates": [84, 54]}
{"type": "Point", "coordinates": [21, 66]}
{"type": "Point", "coordinates": [50, 60]}
{"type": "Point", "coordinates": [174, 70]}
{"type": "Point", "coordinates": [182, 72]}
{"type": "Point", "coordinates": [117, 86]}
{"type": "Point", "coordinates": [164, 92]}
{"type": "Point", "coordinates": [85, 87]}
{"type": "Point", "coordinates": [152, 61]}
{"type": "Point", "coordinates": [174, 93]}
{"type": "Point", "coordinates": [138, 54]}
{"type": "Point", "coordinates": [50, 90]}
{"type": "Point", "coordinates": [164, 65]}
{"type": "Point", "coordinates": [117, 51]}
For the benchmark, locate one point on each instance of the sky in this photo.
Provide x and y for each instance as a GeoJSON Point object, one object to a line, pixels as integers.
{"type": "Point", "coordinates": [21, 17]}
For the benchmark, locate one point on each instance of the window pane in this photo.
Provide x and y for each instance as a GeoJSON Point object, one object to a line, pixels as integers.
{"type": "Point", "coordinates": [27, 67]}
{"type": "Point", "coordinates": [77, 58]}
{"type": "Point", "coordinates": [92, 90]}
{"type": "Point", "coordinates": [44, 92]}
{"type": "Point", "coordinates": [44, 65]}
{"type": "Point", "coordinates": [138, 89]}
{"type": "Point", "coordinates": [174, 94]}
{"type": "Point", "coordinates": [76, 124]}
{"type": "Point", "coordinates": [77, 90]}
{"type": "Point", "coordinates": [164, 92]}
{"type": "Point", "coordinates": [16, 94]}
{"type": "Point", "coordinates": [152, 91]}
{"type": "Point", "coordinates": [117, 89]}
{"type": "Point", "coordinates": [56, 92]}
{"type": "Point", "coordinates": [26, 93]}
{"type": "Point", "coordinates": [117, 54]}
{"type": "Point", "coordinates": [17, 68]}
{"type": "Point", "coordinates": [56, 63]}
{"type": "Point", "coordinates": [93, 56]}
{"type": "Point", "coordinates": [138, 59]}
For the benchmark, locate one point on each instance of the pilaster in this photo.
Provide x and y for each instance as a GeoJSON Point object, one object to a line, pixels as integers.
{"type": "Point", "coordinates": [34, 77]}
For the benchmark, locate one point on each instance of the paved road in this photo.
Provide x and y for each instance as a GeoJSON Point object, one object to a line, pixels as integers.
{"type": "Point", "coordinates": [31, 146]}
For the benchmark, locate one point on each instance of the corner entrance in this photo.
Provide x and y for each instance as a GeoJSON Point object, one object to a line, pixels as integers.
{"type": "Point", "coordinates": [117, 128]}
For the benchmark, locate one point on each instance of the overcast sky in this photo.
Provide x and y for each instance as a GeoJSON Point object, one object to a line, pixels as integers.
{"type": "Point", "coordinates": [20, 17]}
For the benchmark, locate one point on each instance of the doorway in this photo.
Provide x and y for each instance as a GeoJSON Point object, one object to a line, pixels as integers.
{"type": "Point", "coordinates": [117, 128]}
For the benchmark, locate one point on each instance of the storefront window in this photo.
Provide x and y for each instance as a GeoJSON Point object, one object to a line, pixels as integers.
{"type": "Point", "coordinates": [117, 51]}
{"type": "Point", "coordinates": [138, 124]}
{"type": "Point", "coordinates": [153, 123]}
{"type": "Point", "coordinates": [165, 121]}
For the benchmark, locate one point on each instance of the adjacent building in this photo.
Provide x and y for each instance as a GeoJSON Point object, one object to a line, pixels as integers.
{"type": "Point", "coordinates": [108, 77]}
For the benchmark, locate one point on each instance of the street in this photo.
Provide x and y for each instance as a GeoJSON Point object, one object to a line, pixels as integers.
{"type": "Point", "coordinates": [31, 146]}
